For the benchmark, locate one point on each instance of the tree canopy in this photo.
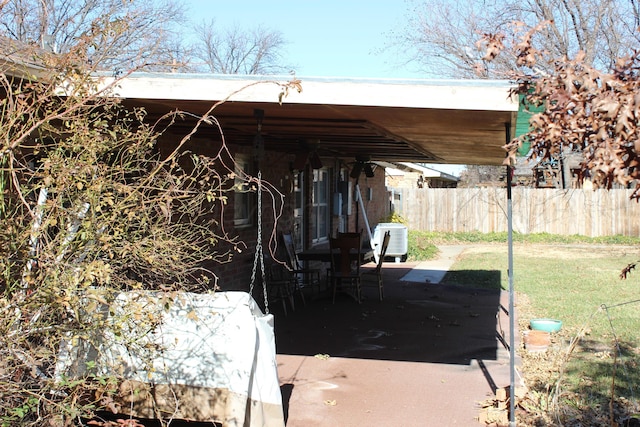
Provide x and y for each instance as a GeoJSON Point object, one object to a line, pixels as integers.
{"type": "Point", "coordinates": [236, 50]}
{"type": "Point", "coordinates": [440, 35]}
{"type": "Point", "coordinates": [585, 109]}
{"type": "Point", "coordinates": [141, 32]}
{"type": "Point", "coordinates": [148, 35]}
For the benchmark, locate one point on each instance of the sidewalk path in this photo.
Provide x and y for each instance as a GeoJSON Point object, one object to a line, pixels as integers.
{"type": "Point", "coordinates": [433, 271]}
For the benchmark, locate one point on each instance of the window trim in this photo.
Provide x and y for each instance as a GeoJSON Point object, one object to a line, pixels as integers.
{"type": "Point", "coordinates": [243, 201]}
{"type": "Point", "coordinates": [317, 206]}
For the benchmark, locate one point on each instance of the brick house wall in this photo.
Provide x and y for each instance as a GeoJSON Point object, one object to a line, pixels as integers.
{"type": "Point", "coordinates": [235, 273]}
{"type": "Point", "coordinates": [375, 198]}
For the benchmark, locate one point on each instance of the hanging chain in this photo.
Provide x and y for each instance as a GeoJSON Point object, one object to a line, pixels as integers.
{"type": "Point", "coordinates": [259, 256]}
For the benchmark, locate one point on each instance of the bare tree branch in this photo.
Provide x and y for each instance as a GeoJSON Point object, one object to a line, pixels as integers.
{"type": "Point", "coordinates": [237, 51]}
{"type": "Point", "coordinates": [142, 30]}
{"type": "Point", "coordinates": [438, 33]}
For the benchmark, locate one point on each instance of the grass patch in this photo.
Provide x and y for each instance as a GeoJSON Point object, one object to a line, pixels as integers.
{"type": "Point", "coordinates": [419, 240]}
{"type": "Point", "coordinates": [574, 279]}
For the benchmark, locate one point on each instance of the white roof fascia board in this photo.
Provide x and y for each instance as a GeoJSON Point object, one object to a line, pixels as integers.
{"type": "Point", "coordinates": [402, 168]}
{"type": "Point", "coordinates": [394, 172]}
{"type": "Point", "coordinates": [433, 94]}
{"type": "Point", "coordinates": [429, 172]}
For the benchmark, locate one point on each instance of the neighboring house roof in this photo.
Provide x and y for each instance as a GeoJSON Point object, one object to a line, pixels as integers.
{"type": "Point", "coordinates": [524, 166]}
{"type": "Point", "coordinates": [21, 60]}
{"type": "Point", "coordinates": [426, 121]}
{"type": "Point", "coordinates": [402, 168]}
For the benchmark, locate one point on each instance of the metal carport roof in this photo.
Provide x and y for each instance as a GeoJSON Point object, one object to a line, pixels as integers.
{"type": "Point", "coordinates": [439, 121]}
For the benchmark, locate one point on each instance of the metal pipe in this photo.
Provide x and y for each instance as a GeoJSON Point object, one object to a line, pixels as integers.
{"type": "Point", "coordinates": [512, 347]}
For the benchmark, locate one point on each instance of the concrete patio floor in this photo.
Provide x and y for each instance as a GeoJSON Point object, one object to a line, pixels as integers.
{"type": "Point", "coordinates": [426, 355]}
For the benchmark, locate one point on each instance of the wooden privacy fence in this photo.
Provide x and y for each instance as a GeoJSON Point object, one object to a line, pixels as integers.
{"type": "Point", "coordinates": [591, 213]}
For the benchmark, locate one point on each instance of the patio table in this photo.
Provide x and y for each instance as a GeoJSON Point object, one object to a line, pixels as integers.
{"type": "Point", "coordinates": [324, 255]}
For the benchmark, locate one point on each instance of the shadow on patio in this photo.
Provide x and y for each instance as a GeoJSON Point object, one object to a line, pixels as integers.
{"type": "Point", "coordinates": [417, 322]}
{"type": "Point", "coordinates": [425, 356]}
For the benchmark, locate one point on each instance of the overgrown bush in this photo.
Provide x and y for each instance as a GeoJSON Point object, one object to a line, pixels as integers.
{"type": "Point", "coordinates": [89, 208]}
{"type": "Point", "coordinates": [395, 218]}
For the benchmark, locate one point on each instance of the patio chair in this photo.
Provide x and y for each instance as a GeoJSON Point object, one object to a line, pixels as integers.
{"type": "Point", "coordinates": [357, 234]}
{"type": "Point", "coordinates": [282, 286]}
{"type": "Point", "coordinates": [345, 234]}
{"type": "Point", "coordinates": [377, 271]}
{"type": "Point", "coordinates": [345, 263]}
{"type": "Point", "coordinates": [306, 277]}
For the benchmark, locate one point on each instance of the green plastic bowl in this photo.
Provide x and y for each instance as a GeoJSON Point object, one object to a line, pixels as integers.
{"type": "Point", "coordinates": [547, 325]}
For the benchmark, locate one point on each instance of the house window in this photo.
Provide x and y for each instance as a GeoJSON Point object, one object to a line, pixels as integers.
{"type": "Point", "coordinates": [298, 211]}
{"type": "Point", "coordinates": [243, 205]}
{"type": "Point", "coordinates": [320, 206]}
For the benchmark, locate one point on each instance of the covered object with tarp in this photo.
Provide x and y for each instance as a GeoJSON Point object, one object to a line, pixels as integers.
{"type": "Point", "coordinates": [199, 357]}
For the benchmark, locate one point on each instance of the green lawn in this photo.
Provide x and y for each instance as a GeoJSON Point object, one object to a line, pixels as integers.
{"type": "Point", "coordinates": [576, 280]}
{"type": "Point", "coordinates": [562, 281]}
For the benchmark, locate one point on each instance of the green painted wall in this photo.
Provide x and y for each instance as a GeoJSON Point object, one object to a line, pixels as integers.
{"type": "Point", "coordinates": [525, 111]}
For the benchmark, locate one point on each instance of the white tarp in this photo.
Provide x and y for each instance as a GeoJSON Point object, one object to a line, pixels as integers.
{"type": "Point", "coordinates": [201, 357]}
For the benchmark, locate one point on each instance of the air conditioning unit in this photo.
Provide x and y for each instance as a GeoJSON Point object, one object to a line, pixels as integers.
{"type": "Point", "coordinates": [398, 242]}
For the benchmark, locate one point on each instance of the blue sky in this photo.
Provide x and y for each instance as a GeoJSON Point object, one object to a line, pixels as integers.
{"type": "Point", "coordinates": [329, 38]}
